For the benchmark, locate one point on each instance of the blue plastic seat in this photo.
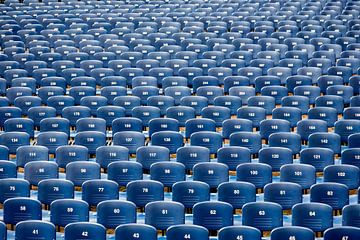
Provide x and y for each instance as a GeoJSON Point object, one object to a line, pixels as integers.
{"type": "Point", "coordinates": [346, 92]}
{"type": "Point", "coordinates": [211, 173]}
{"type": "Point", "coordinates": [178, 232]}
{"type": "Point", "coordinates": [80, 171]}
{"type": "Point", "coordinates": [135, 231]}
{"type": "Point", "coordinates": [258, 174]}
{"type": "Point", "coordinates": [210, 92]}
{"type": "Point", "coordinates": [211, 140]}
{"type": "Point", "coordinates": [13, 187]}
{"type": "Point", "coordinates": [21, 209]}
{"type": "Point", "coordinates": [7, 169]}
{"type": "Point", "coordinates": [333, 101]}
{"type": "Point", "coordinates": [9, 112]}
{"type": "Point", "coordinates": [292, 231]}
{"type": "Point", "coordinates": [236, 125]}
{"type": "Point", "coordinates": [27, 154]}
{"type": "Point", "coordinates": [144, 92]}
{"type": "Point", "coordinates": [264, 216]}
{"type": "Point", "coordinates": [346, 127]}
{"type": "Point", "coordinates": [350, 217]}
{"type": "Point", "coordinates": [326, 140]}
{"type": "Point", "coordinates": [92, 231]}
{"type": "Point", "coordinates": [112, 213]}
{"type": "Point", "coordinates": [315, 216]}
{"type": "Point", "coordinates": [174, 211]}
{"type": "Point", "coordinates": [93, 196]}
{"type": "Point", "coordinates": [154, 191]}
{"type": "Point", "coordinates": [341, 232]}
{"type": "Point", "coordinates": [19, 125]}
{"type": "Point", "coordinates": [14, 140]}
{"type": "Point", "coordinates": [233, 232]}
{"type": "Point", "coordinates": [213, 215]}
{"type": "Point", "coordinates": [34, 228]}
{"type": "Point", "coordinates": [190, 192]}
{"type": "Point", "coordinates": [232, 156]}
{"type": "Point", "coordinates": [254, 114]}
{"type": "Point", "coordinates": [50, 190]}
{"type": "Point", "coordinates": [333, 194]}
{"type": "Point", "coordinates": [237, 193]}
{"type": "Point", "coordinates": [250, 140]}
{"type": "Point", "coordinates": [195, 102]}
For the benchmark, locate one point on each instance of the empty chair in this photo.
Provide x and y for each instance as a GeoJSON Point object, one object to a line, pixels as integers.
{"type": "Point", "coordinates": [52, 140]}
{"type": "Point", "coordinates": [346, 92]}
{"type": "Point", "coordinates": [27, 102]}
{"type": "Point", "coordinates": [108, 154]}
{"type": "Point", "coordinates": [70, 153]}
{"type": "Point", "coordinates": [127, 124]}
{"type": "Point", "coordinates": [258, 174]}
{"type": "Point", "coordinates": [213, 215]}
{"type": "Point", "coordinates": [266, 102]}
{"type": "Point", "coordinates": [326, 140]}
{"type": "Point", "coordinates": [31, 229]}
{"type": "Point", "coordinates": [338, 233]}
{"type": "Point", "coordinates": [110, 113]}
{"type": "Point", "coordinates": [191, 155]}
{"type": "Point", "coordinates": [21, 209]}
{"type": "Point", "coordinates": [308, 126]}
{"type": "Point", "coordinates": [181, 114]}
{"type": "Point", "coordinates": [36, 171]}
{"type": "Point", "coordinates": [264, 216]}
{"type": "Point", "coordinates": [270, 126]}
{"type": "Point", "coordinates": [286, 194]}
{"type": "Point", "coordinates": [237, 193]}
{"type": "Point", "coordinates": [195, 102]}
{"type": "Point", "coordinates": [300, 102]}
{"type": "Point", "coordinates": [9, 112]}
{"type": "Point", "coordinates": [65, 211]}
{"type": "Point", "coordinates": [12, 188]}
{"type": "Point", "coordinates": [318, 157]}
{"type": "Point", "coordinates": [350, 216]}
{"type": "Point", "coordinates": [127, 102]}
{"type": "Point", "coordinates": [178, 232]}
{"type": "Point", "coordinates": [129, 139]}
{"type": "Point", "coordinates": [123, 172]}
{"type": "Point", "coordinates": [162, 102]}
{"type": "Point", "coordinates": [255, 114]}
{"type": "Point", "coordinates": [135, 231]}
{"type": "Point", "coordinates": [91, 124]}
{"type": "Point", "coordinates": [55, 124]}
{"type": "Point", "coordinates": [91, 139]}
{"type": "Point", "coordinates": [346, 127]}
{"type": "Point", "coordinates": [50, 190]}
{"type": "Point", "coordinates": [169, 139]}
{"type": "Point", "coordinates": [146, 113]}
{"type": "Point", "coordinates": [27, 154]}
{"type": "Point", "coordinates": [232, 156]}
{"type": "Point", "coordinates": [112, 213]}
{"type": "Point", "coordinates": [167, 173]}
{"type": "Point", "coordinates": [236, 125]}
{"type": "Point", "coordinates": [211, 140]}
{"type": "Point", "coordinates": [249, 140]}
{"type": "Point", "coordinates": [233, 103]}
{"type": "Point", "coordinates": [163, 124]}
{"type": "Point", "coordinates": [315, 216]}
{"type": "Point", "coordinates": [211, 173]}
{"type": "Point", "coordinates": [92, 195]}
{"type": "Point", "coordinates": [275, 157]}
{"type": "Point", "coordinates": [190, 192]}
{"type": "Point", "coordinates": [7, 169]}
{"type": "Point", "coordinates": [80, 171]}
{"type": "Point", "coordinates": [155, 212]}
{"type": "Point", "coordinates": [92, 231]}
{"type": "Point", "coordinates": [198, 125]}
{"type": "Point", "coordinates": [142, 192]}
{"type": "Point", "coordinates": [333, 194]}
{"type": "Point", "coordinates": [14, 140]}
{"type": "Point", "coordinates": [74, 113]}
{"type": "Point", "coordinates": [234, 232]}
{"type": "Point", "coordinates": [148, 155]}
{"type": "Point", "coordinates": [292, 231]}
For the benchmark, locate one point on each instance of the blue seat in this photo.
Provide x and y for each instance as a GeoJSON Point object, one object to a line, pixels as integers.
{"type": "Point", "coordinates": [213, 215]}
{"type": "Point", "coordinates": [108, 154]}
{"type": "Point", "coordinates": [244, 92]}
{"type": "Point", "coordinates": [21, 209]}
{"type": "Point", "coordinates": [351, 113]}
{"type": "Point", "coordinates": [147, 155]}
{"type": "Point", "coordinates": [211, 173]}
{"type": "Point", "coordinates": [292, 231]}
{"type": "Point", "coordinates": [14, 140]}
{"type": "Point", "coordinates": [167, 173]}
{"type": "Point", "coordinates": [329, 80]}
{"type": "Point", "coordinates": [144, 92]}
{"type": "Point", "coordinates": [39, 113]}
{"type": "Point", "coordinates": [350, 217]}
{"type": "Point", "coordinates": [250, 140]}
{"type": "Point", "coordinates": [66, 211]}
{"type": "Point", "coordinates": [191, 155]}
{"type": "Point", "coordinates": [210, 140]}
{"type": "Point", "coordinates": [341, 71]}
{"type": "Point", "coordinates": [13, 92]}
{"type": "Point", "coordinates": [255, 114]}
{"type": "Point", "coordinates": [276, 157]}
{"type": "Point", "coordinates": [236, 125]}
{"type": "Point", "coordinates": [195, 102]}
{"type": "Point", "coordinates": [346, 127]}
{"type": "Point", "coordinates": [297, 80]}
{"type": "Point", "coordinates": [308, 126]}
{"type": "Point", "coordinates": [35, 229]}
{"type": "Point", "coordinates": [174, 211]}
{"type": "Point", "coordinates": [110, 113]}
{"type": "Point", "coordinates": [264, 216]}
{"type": "Point", "coordinates": [237, 193]}
{"type": "Point", "coordinates": [258, 174]}
{"type": "Point", "coordinates": [161, 102]}
{"type": "Point", "coordinates": [327, 114]}
{"type": "Point", "coordinates": [91, 124]}
{"type": "Point", "coordinates": [178, 232]}
{"type": "Point", "coordinates": [9, 112]}
{"type": "Point", "coordinates": [135, 231]}
{"type": "Point", "coordinates": [232, 156]}
{"type": "Point", "coordinates": [80, 171]}
{"type": "Point", "coordinates": [110, 93]}
{"type": "Point", "coordinates": [216, 113]}
{"type": "Point", "coordinates": [190, 192]}
{"type": "Point", "coordinates": [7, 169]}
{"type": "Point", "coordinates": [354, 82]}
{"type": "Point", "coordinates": [286, 194]}
{"type": "Point", "coordinates": [333, 194]}
{"type": "Point", "coordinates": [326, 140]}
{"type": "Point", "coordinates": [12, 188]}
{"type": "Point", "coordinates": [341, 232]}
{"type": "Point", "coordinates": [346, 92]}
{"type": "Point", "coordinates": [127, 124]}
{"type": "Point", "coordinates": [210, 92]}
{"type": "Point", "coordinates": [123, 172]}
{"type": "Point", "coordinates": [91, 139]}
{"type": "Point", "coordinates": [315, 216]}
{"type": "Point", "coordinates": [112, 213]}
{"type": "Point", "coordinates": [27, 154]}
{"type": "Point", "coordinates": [154, 191]}
{"type": "Point", "coordinates": [333, 101]}
{"type": "Point", "coordinates": [146, 113]}
{"type": "Point", "coordinates": [92, 231]}
{"type": "Point", "coordinates": [93, 196]}
{"type": "Point", "coordinates": [233, 232]}
{"type": "Point", "coordinates": [50, 190]}
{"type": "Point", "coordinates": [20, 125]}
{"type": "Point", "coordinates": [270, 126]}
{"type": "Point", "coordinates": [36, 171]}
{"type": "Point", "coordinates": [60, 102]}
{"type": "Point", "coordinates": [78, 92]}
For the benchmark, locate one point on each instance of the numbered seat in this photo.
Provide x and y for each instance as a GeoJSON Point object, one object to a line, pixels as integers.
{"type": "Point", "coordinates": [20, 209]}
{"type": "Point", "coordinates": [307, 127]}
{"type": "Point", "coordinates": [66, 211]}
{"type": "Point", "coordinates": [292, 231]}
{"type": "Point", "coordinates": [326, 140]}
{"type": "Point", "coordinates": [133, 231]}
{"type": "Point", "coordinates": [35, 228]}
{"type": "Point", "coordinates": [346, 127]}
{"type": "Point", "coordinates": [14, 140]}
{"type": "Point", "coordinates": [77, 230]}
{"type": "Point", "coordinates": [237, 193]}
{"type": "Point", "coordinates": [286, 194]}
{"type": "Point", "coordinates": [178, 232]}
{"type": "Point", "coordinates": [190, 192]}
{"type": "Point", "coordinates": [12, 188]}
{"type": "Point", "coordinates": [27, 154]}
{"type": "Point", "coordinates": [236, 125]}
{"type": "Point", "coordinates": [80, 171]}
{"type": "Point", "coordinates": [50, 190]}
{"type": "Point", "coordinates": [112, 213]}
{"type": "Point", "coordinates": [154, 191]}
{"type": "Point", "coordinates": [148, 155]}
{"type": "Point", "coordinates": [333, 194]}
{"type": "Point", "coordinates": [210, 140]}
{"type": "Point", "coordinates": [167, 173]}
{"type": "Point", "coordinates": [211, 173]}
{"type": "Point", "coordinates": [341, 232]}
{"type": "Point", "coordinates": [233, 232]}
{"type": "Point", "coordinates": [7, 169]}
{"type": "Point", "coordinates": [250, 140]}
{"type": "Point", "coordinates": [258, 174]}
{"type": "Point", "coordinates": [213, 215]}
{"type": "Point", "coordinates": [98, 190]}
